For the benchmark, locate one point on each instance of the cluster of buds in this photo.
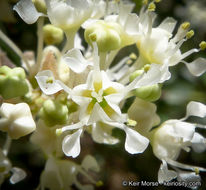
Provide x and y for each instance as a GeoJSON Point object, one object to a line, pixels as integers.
{"type": "Point", "coordinates": [67, 91]}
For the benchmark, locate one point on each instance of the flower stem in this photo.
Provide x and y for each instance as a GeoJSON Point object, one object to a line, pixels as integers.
{"type": "Point", "coordinates": [15, 49]}
{"type": "Point", "coordinates": [70, 40]}
{"type": "Point", "coordinates": [87, 175]}
{"type": "Point", "coordinates": [7, 145]}
{"type": "Point", "coordinates": [40, 45]}
{"type": "Point", "coordinates": [103, 60]}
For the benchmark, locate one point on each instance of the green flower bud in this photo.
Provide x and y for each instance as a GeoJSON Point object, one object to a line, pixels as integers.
{"type": "Point", "coordinates": [12, 82]}
{"type": "Point", "coordinates": [149, 93]}
{"type": "Point", "coordinates": [135, 74]}
{"type": "Point", "coordinates": [72, 106]}
{"type": "Point", "coordinates": [54, 113]}
{"type": "Point", "coordinates": [52, 34]}
{"type": "Point", "coordinates": [40, 6]}
{"type": "Point", "coordinates": [107, 35]}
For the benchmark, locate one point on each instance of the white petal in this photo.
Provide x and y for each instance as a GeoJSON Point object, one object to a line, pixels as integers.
{"type": "Point", "coordinates": [188, 177]}
{"type": "Point", "coordinates": [165, 175]}
{"type": "Point", "coordinates": [157, 74]}
{"type": "Point", "coordinates": [88, 22]}
{"type": "Point", "coordinates": [73, 126]}
{"type": "Point", "coordinates": [98, 114]}
{"type": "Point", "coordinates": [89, 162]}
{"type": "Point", "coordinates": [71, 144]}
{"type": "Point", "coordinates": [6, 110]}
{"type": "Point", "coordinates": [100, 135]}
{"type": "Point", "coordinates": [47, 87]}
{"type": "Point", "coordinates": [18, 175]}
{"type": "Point", "coordinates": [27, 11]}
{"type": "Point", "coordinates": [78, 42]}
{"type": "Point", "coordinates": [197, 67]}
{"type": "Point", "coordinates": [135, 143]}
{"type": "Point", "coordinates": [117, 110]}
{"type": "Point", "coordinates": [21, 110]}
{"type": "Point", "coordinates": [184, 130]}
{"type": "Point", "coordinates": [195, 109]}
{"type": "Point", "coordinates": [198, 143]}
{"type": "Point", "coordinates": [108, 83]}
{"type": "Point", "coordinates": [168, 24]}
{"type": "Point", "coordinates": [21, 127]}
{"type": "Point", "coordinates": [75, 60]}
{"type": "Point", "coordinates": [132, 24]}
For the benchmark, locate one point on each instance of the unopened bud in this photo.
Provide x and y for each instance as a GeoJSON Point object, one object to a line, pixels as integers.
{"type": "Point", "coordinates": [106, 35]}
{"type": "Point", "coordinates": [135, 74]}
{"type": "Point", "coordinates": [148, 93]}
{"type": "Point", "coordinates": [12, 82]}
{"type": "Point", "coordinates": [52, 34]}
{"type": "Point", "coordinates": [54, 113]}
{"type": "Point", "coordinates": [40, 6]}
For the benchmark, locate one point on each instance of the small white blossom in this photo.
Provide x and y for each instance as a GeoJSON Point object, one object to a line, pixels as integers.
{"type": "Point", "coordinates": [56, 172]}
{"type": "Point", "coordinates": [69, 14]}
{"type": "Point", "coordinates": [16, 119]}
{"type": "Point", "coordinates": [174, 135]}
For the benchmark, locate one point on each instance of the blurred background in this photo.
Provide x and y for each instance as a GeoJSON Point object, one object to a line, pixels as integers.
{"type": "Point", "coordinates": [116, 164]}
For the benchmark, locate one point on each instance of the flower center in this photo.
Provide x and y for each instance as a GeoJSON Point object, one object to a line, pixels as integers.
{"type": "Point", "coordinates": [98, 96]}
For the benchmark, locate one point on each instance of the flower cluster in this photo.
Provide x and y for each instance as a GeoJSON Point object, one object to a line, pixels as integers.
{"type": "Point", "coordinates": [75, 89]}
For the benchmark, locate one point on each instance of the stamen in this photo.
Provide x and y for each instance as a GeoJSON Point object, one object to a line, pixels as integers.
{"type": "Point", "coordinates": [202, 45]}
{"type": "Point", "coordinates": [133, 56]}
{"type": "Point", "coordinates": [145, 2]}
{"type": "Point", "coordinates": [186, 54]}
{"type": "Point", "coordinates": [99, 184]}
{"type": "Point", "coordinates": [147, 67]}
{"type": "Point", "coordinates": [129, 62]}
{"type": "Point", "coordinates": [131, 122]}
{"type": "Point", "coordinates": [190, 34]}
{"type": "Point", "coordinates": [185, 166]}
{"type": "Point", "coordinates": [185, 25]}
{"type": "Point", "coordinates": [58, 132]}
{"type": "Point", "coordinates": [151, 7]}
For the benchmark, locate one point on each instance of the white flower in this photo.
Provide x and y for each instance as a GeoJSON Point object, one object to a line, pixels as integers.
{"type": "Point", "coordinates": [48, 84]}
{"type": "Point", "coordinates": [144, 113]}
{"type": "Point", "coordinates": [56, 172]}
{"type": "Point", "coordinates": [75, 60]}
{"type": "Point", "coordinates": [121, 28]}
{"type": "Point", "coordinates": [164, 174]}
{"type": "Point", "coordinates": [69, 14]}
{"type": "Point", "coordinates": [174, 135]}
{"type": "Point", "coordinates": [158, 45]}
{"type": "Point", "coordinates": [98, 101]}
{"type": "Point", "coordinates": [47, 139]}
{"type": "Point", "coordinates": [16, 120]}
